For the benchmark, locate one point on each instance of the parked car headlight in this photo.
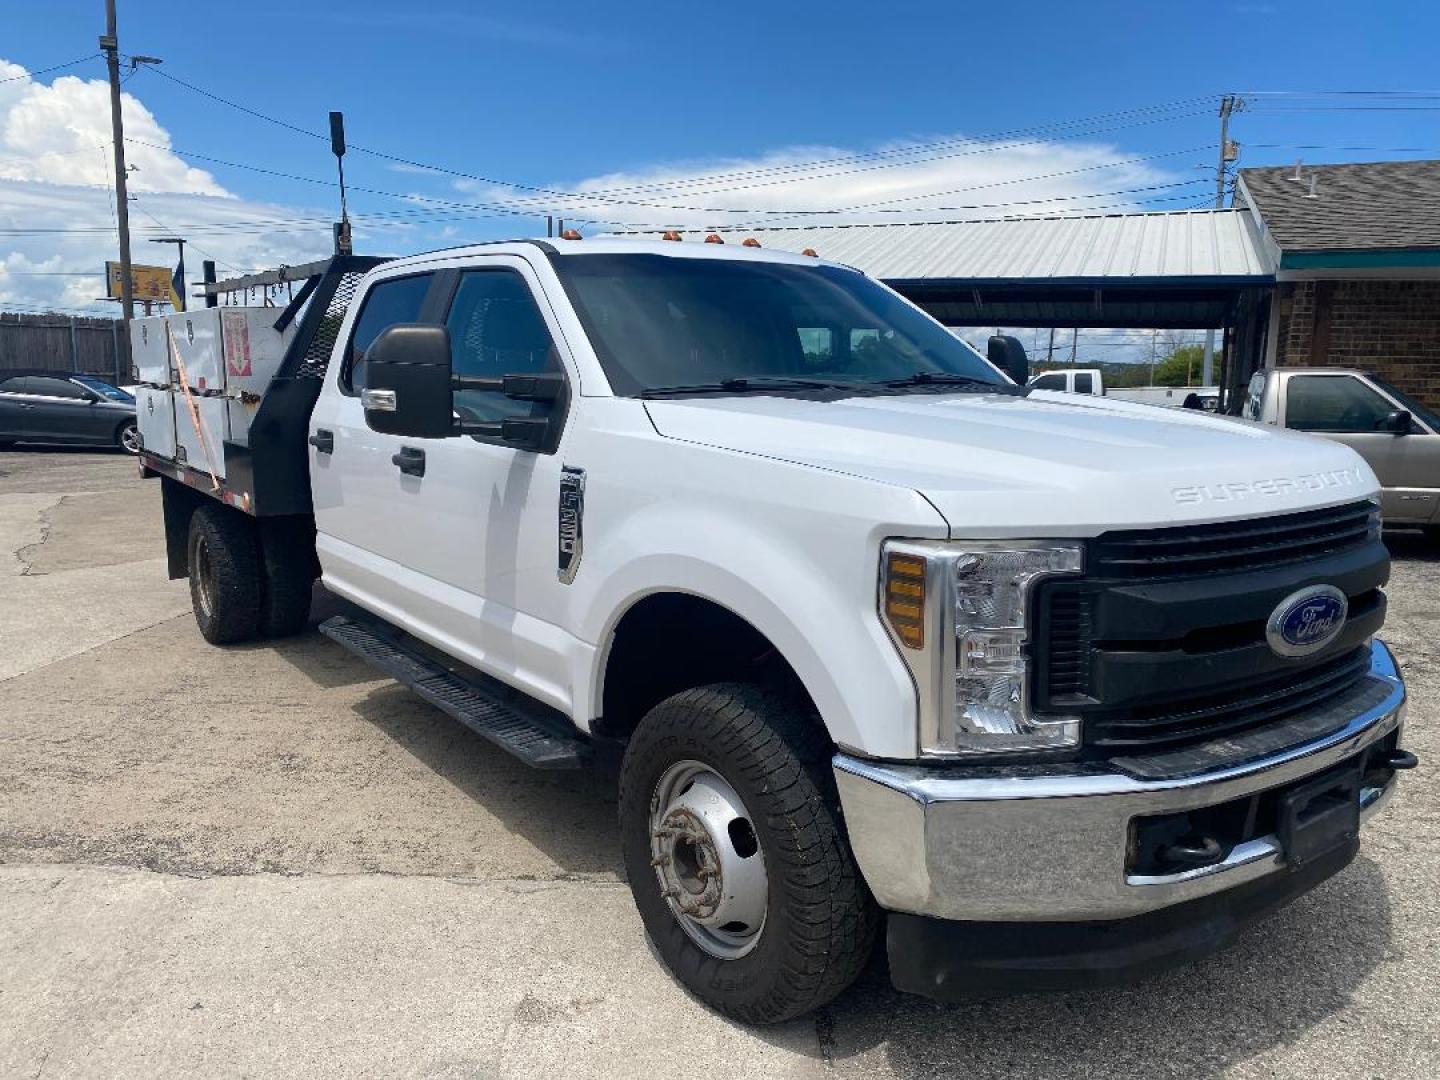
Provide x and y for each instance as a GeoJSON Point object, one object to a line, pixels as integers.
{"type": "Point", "coordinates": [966, 635]}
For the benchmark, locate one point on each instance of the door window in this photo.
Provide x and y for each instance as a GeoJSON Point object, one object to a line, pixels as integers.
{"type": "Point", "coordinates": [55, 388]}
{"type": "Point", "coordinates": [1049, 382]}
{"type": "Point", "coordinates": [1333, 403]}
{"type": "Point", "coordinates": [1084, 382]}
{"type": "Point", "coordinates": [15, 384]}
{"type": "Point", "coordinates": [496, 329]}
{"type": "Point", "coordinates": [398, 300]}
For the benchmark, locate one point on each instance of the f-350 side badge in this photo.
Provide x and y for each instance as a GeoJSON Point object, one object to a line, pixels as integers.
{"type": "Point", "coordinates": [572, 517]}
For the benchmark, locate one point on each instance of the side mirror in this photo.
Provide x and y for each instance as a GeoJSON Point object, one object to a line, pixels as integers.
{"type": "Point", "coordinates": [410, 391]}
{"type": "Point", "coordinates": [1007, 354]}
{"type": "Point", "coordinates": [1398, 422]}
{"type": "Point", "coordinates": [407, 382]}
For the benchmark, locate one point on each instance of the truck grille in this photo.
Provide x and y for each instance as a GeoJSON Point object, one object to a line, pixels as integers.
{"type": "Point", "coordinates": [1232, 545]}
{"type": "Point", "coordinates": [1162, 642]}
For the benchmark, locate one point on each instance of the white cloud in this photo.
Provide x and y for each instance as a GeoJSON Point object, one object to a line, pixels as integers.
{"type": "Point", "coordinates": [57, 216]}
{"type": "Point", "coordinates": [951, 177]}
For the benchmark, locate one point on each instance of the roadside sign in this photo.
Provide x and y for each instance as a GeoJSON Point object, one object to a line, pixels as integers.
{"type": "Point", "coordinates": [153, 283]}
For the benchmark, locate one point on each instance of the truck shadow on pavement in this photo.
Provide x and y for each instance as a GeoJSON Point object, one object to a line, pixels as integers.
{"type": "Point", "coordinates": [1283, 977]}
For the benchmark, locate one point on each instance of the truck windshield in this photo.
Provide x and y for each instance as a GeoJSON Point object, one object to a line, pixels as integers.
{"type": "Point", "coordinates": [660, 322]}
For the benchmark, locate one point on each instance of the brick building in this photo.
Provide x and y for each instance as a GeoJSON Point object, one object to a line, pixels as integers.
{"type": "Point", "coordinates": [1356, 251]}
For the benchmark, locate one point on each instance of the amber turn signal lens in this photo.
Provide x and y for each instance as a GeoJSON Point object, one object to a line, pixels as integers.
{"type": "Point", "coordinates": [905, 598]}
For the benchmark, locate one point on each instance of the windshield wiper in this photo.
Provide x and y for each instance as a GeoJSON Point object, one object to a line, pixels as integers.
{"type": "Point", "coordinates": [743, 386]}
{"type": "Point", "coordinates": [942, 378]}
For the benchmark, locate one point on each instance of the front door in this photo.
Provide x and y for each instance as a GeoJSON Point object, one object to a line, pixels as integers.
{"type": "Point", "coordinates": [463, 553]}
{"type": "Point", "coordinates": [63, 411]}
{"type": "Point", "coordinates": [1346, 409]}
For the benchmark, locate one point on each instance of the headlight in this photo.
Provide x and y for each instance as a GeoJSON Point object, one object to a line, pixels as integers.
{"type": "Point", "coordinates": [970, 656]}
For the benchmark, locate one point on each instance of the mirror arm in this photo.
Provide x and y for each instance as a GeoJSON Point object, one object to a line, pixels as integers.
{"type": "Point", "coordinates": [542, 387]}
{"type": "Point", "coordinates": [525, 432]}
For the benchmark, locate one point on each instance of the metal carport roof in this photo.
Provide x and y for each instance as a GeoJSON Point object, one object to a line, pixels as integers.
{"type": "Point", "coordinates": [1196, 247]}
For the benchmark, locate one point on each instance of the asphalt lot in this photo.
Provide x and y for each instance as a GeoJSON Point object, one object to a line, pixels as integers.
{"type": "Point", "coordinates": [269, 860]}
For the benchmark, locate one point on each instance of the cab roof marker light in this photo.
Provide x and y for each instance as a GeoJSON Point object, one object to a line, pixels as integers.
{"type": "Point", "coordinates": [750, 241]}
{"type": "Point", "coordinates": [811, 252]}
{"type": "Point", "coordinates": [571, 234]}
{"type": "Point", "coordinates": [714, 238]}
{"type": "Point", "coordinates": [670, 234]}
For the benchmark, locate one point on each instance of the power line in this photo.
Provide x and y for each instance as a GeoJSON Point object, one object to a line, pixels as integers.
{"type": "Point", "coordinates": [47, 70]}
{"type": "Point", "coordinates": [598, 197]}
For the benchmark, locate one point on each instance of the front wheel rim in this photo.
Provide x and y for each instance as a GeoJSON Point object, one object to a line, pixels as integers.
{"type": "Point", "coordinates": [707, 859]}
{"type": "Point", "coordinates": [130, 439]}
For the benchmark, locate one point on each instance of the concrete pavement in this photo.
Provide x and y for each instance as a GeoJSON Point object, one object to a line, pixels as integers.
{"type": "Point", "coordinates": [266, 860]}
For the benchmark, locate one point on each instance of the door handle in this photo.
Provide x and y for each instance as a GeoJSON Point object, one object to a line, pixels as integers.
{"type": "Point", "coordinates": [410, 461]}
{"type": "Point", "coordinates": [323, 441]}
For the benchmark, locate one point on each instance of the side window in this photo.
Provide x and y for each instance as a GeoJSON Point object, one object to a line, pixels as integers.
{"type": "Point", "coordinates": [1053, 381]}
{"type": "Point", "coordinates": [496, 329]}
{"type": "Point", "coordinates": [396, 301]}
{"type": "Point", "coordinates": [1084, 383]}
{"type": "Point", "coordinates": [15, 384]}
{"type": "Point", "coordinates": [56, 388]}
{"type": "Point", "coordinates": [1335, 403]}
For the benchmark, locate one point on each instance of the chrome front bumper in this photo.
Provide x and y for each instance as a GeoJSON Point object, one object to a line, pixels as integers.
{"type": "Point", "coordinates": [1050, 845]}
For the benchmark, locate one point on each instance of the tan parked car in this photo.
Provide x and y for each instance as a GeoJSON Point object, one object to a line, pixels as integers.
{"type": "Point", "coordinates": [1397, 436]}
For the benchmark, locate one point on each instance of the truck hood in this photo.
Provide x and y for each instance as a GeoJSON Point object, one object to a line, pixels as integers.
{"type": "Point", "coordinates": [1049, 464]}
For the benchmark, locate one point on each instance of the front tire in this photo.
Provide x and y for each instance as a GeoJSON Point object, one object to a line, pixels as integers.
{"type": "Point", "coordinates": [737, 855]}
{"type": "Point", "coordinates": [224, 560]}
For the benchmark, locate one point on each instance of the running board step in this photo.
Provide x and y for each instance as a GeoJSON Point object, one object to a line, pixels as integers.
{"type": "Point", "coordinates": [538, 743]}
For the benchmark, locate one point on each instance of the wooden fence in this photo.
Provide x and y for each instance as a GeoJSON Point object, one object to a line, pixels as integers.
{"type": "Point", "coordinates": [65, 343]}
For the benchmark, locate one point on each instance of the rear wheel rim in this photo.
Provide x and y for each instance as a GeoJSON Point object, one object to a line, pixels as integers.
{"type": "Point", "coordinates": [130, 439]}
{"type": "Point", "coordinates": [707, 859]}
{"type": "Point", "coordinates": [204, 577]}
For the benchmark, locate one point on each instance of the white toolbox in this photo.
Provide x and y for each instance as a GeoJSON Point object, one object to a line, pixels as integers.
{"type": "Point", "coordinates": [148, 351]}
{"type": "Point", "coordinates": [155, 416]}
{"type": "Point", "coordinates": [228, 354]}
{"type": "Point", "coordinates": [206, 456]}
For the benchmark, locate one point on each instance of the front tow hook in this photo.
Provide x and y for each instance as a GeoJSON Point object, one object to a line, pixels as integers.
{"type": "Point", "coordinates": [1193, 852]}
{"type": "Point", "coordinates": [1400, 760]}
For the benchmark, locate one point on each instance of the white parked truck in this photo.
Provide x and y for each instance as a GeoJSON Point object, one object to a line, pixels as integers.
{"type": "Point", "coordinates": [1043, 691]}
{"type": "Point", "coordinates": [1091, 383]}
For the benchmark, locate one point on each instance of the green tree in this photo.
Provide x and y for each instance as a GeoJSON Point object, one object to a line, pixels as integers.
{"type": "Point", "coordinates": [1182, 367]}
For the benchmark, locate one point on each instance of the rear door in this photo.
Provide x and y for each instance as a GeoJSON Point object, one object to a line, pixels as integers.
{"type": "Point", "coordinates": [1349, 410]}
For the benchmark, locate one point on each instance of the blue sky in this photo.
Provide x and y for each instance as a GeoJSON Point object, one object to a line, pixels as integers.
{"type": "Point", "coordinates": [572, 96]}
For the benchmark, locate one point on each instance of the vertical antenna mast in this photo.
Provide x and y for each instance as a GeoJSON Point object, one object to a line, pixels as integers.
{"type": "Point", "coordinates": [337, 147]}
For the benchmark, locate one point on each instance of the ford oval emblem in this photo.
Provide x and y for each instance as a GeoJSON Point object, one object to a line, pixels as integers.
{"type": "Point", "coordinates": [1306, 621]}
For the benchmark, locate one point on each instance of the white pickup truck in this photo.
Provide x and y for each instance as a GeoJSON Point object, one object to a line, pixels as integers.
{"type": "Point", "coordinates": [1050, 691]}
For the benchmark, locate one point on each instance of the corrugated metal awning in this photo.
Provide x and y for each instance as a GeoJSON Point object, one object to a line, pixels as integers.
{"type": "Point", "coordinates": [1195, 246]}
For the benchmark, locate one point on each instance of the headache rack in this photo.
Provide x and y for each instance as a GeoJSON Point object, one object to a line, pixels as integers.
{"type": "Point", "coordinates": [266, 473]}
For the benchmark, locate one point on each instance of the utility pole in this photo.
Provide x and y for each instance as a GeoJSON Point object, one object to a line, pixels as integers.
{"type": "Point", "coordinates": [179, 242]}
{"type": "Point", "coordinates": [1154, 339]}
{"type": "Point", "coordinates": [1074, 344]}
{"type": "Point", "coordinates": [1050, 354]}
{"type": "Point", "coordinates": [110, 45]}
{"type": "Point", "coordinates": [1228, 153]}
